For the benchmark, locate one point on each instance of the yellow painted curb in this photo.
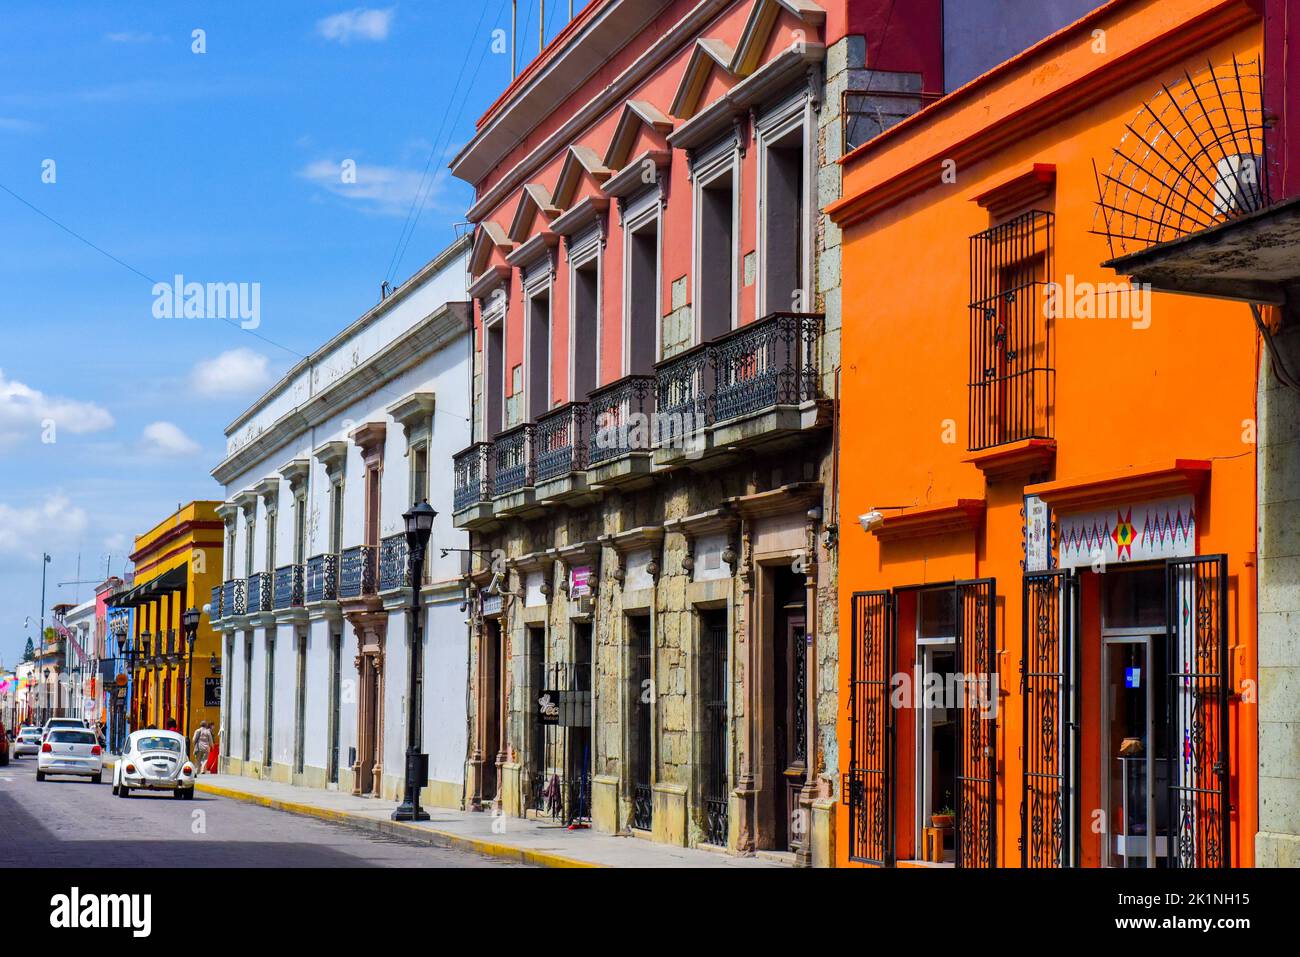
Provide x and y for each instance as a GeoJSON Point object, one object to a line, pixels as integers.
{"type": "Point", "coordinates": [427, 834]}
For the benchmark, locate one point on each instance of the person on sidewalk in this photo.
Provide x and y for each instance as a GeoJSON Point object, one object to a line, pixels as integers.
{"type": "Point", "coordinates": [202, 745]}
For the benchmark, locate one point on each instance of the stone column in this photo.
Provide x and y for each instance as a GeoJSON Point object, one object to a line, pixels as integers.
{"type": "Point", "coordinates": [360, 662]}
{"type": "Point", "coordinates": [746, 786]}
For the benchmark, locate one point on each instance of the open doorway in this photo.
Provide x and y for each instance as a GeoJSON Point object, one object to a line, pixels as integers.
{"type": "Point", "coordinates": [1134, 730]}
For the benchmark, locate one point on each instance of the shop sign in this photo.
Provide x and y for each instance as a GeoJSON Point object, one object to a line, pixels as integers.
{"type": "Point", "coordinates": [491, 605]}
{"type": "Point", "coordinates": [580, 581]}
{"type": "Point", "coordinates": [211, 692]}
{"type": "Point", "coordinates": [1038, 534]}
{"type": "Point", "coordinates": [1131, 532]}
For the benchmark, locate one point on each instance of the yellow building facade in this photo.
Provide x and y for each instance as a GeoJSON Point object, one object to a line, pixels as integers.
{"type": "Point", "coordinates": [177, 563]}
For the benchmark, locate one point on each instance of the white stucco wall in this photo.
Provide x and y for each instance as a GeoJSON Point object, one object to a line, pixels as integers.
{"type": "Point", "coordinates": [363, 353]}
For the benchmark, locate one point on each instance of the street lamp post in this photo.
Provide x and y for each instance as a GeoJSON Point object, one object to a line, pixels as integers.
{"type": "Point", "coordinates": [191, 621]}
{"type": "Point", "coordinates": [419, 524]}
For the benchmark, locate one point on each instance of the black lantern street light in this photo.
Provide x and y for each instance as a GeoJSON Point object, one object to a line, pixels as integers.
{"type": "Point", "coordinates": [419, 525]}
{"type": "Point", "coordinates": [190, 619]}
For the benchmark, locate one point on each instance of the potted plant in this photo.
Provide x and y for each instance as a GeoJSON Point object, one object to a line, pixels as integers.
{"type": "Point", "coordinates": [945, 816]}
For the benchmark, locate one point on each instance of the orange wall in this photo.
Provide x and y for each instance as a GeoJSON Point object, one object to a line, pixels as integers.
{"type": "Point", "coordinates": [1181, 388]}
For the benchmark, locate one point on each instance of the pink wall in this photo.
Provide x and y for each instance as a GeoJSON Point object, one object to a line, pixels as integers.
{"type": "Point", "coordinates": [903, 49]}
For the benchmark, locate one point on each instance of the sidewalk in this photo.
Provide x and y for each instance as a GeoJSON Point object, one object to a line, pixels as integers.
{"type": "Point", "coordinates": [529, 842]}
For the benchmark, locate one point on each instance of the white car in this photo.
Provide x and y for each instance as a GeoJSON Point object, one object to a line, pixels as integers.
{"type": "Point", "coordinates": [80, 724]}
{"type": "Point", "coordinates": [74, 751]}
{"type": "Point", "coordinates": [28, 741]}
{"type": "Point", "coordinates": [154, 761]}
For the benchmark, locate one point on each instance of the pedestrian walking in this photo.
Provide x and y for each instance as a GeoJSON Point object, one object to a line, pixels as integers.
{"type": "Point", "coordinates": [202, 745]}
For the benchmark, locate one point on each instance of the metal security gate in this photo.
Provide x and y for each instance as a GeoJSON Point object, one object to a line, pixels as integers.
{"type": "Point", "coordinates": [868, 791]}
{"type": "Point", "coordinates": [642, 698]}
{"type": "Point", "coordinates": [1049, 670]}
{"type": "Point", "coordinates": [976, 648]}
{"type": "Point", "coordinates": [1197, 620]}
{"type": "Point", "coordinates": [713, 688]}
{"type": "Point", "coordinates": [562, 776]}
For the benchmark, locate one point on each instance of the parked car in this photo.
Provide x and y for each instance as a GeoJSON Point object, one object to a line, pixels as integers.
{"type": "Point", "coordinates": [27, 742]}
{"type": "Point", "coordinates": [154, 760]}
{"type": "Point", "coordinates": [4, 744]}
{"type": "Point", "coordinates": [72, 751]}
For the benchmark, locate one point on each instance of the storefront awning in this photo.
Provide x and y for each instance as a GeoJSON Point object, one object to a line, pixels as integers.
{"type": "Point", "coordinates": [167, 583]}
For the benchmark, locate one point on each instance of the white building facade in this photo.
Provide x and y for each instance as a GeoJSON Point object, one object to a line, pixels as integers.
{"type": "Point", "coordinates": [315, 602]}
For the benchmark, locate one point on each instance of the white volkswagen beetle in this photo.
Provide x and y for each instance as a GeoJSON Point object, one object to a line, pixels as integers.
{"type": "Point", "coordinates": [154, 761]}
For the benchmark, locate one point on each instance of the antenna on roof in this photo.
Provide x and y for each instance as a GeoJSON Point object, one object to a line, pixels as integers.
{"type": "Point", "coordinates": [514, 26]}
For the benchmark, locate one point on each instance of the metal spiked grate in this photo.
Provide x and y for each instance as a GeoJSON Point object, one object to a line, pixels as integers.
{"type": "Point", "coordinates": [1192, 158]}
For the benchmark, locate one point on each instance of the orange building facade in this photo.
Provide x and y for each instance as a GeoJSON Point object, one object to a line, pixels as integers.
{"type": "Point", "coordinates": [1051, 586]}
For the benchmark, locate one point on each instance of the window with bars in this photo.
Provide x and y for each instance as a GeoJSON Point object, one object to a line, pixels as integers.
{"type": "Point", "coordinates": [1012, 388]}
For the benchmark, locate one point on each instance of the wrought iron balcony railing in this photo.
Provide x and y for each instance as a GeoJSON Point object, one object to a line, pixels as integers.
{"type": "Point", "coordinates": [259, 592]}
{"type": "Point", "coordinates": [288, 586]}
{"type": "Point", "coordinates": [621, 414]}
{"type": "Point", "coordinates": [322, 578]}
{"type": "Point", "coordinates": [560, 438]}
{"type": "Point", "coordinates": [472, 483]}
{"type": "Point", "coordinates": [394, 563]}
{"type": "Point", "coordinates": [232, 598]}
{"type": "Point", "coordinates": [513, 460]}
{"type": "Point", "coordinates": [357, 571]}
{"type": "Point", "coordinates": [774, 361]}
{"type": "Point", "coordinates": [683, 385]}
{"type": "Point", "coordinates": [214, 607]}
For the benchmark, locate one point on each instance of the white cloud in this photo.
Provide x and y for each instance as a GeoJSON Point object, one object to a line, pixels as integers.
{"type": "Point", "coordinates": [237, 372]}
{"type": "Point", "coordinates": [25, 411]}
{"type": "Point", "coordinates": [359, 24]}
{"type": "Point", "coordinates": [386, 190]}
{"type": "Point", "coordinates": [25, 531]}
{"type": "Point", "coordinates": [164, 438]}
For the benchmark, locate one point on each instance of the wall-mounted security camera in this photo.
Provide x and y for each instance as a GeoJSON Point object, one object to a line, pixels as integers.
{"type": "Point", "coordinates": [870, 520]}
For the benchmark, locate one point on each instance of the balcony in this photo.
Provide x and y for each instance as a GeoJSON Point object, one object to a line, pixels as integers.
{"type": "Point", "coordinates": [759, 385]}
{"type": "Point", "coordinates": [288, 586]}
{"type": "Point", "coordinates": [232, 598]}
{"type": "Point", "coordinates": [513, 471]}
{"type": "Point", "coordinates": [259, 593]}
{"type": "Point", "coordinates": [561, 442]}
{"type": "Point", "coordinates": [322, 579]}
{"type": "Point", "coordinates": [214, 606]}
{"type": "Point", "coordinates": [622, 416]}
{"type": "Point", "coordinates": [472, 487]}
{"type": "Point", "coordinates": [394, 563]}
{"type": "Point", "coordinates": [357, 571]}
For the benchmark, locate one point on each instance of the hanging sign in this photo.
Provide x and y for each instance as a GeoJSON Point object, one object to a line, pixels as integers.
{"type": "Point", "coordinates": [548, 708]}
{"type": "Point", "coordinates": [580, 581]}
{"type": "Point", "coordinates": [1131, 532]}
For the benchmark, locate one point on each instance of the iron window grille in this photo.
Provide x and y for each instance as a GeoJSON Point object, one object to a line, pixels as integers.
{"type": "Point", "coordinates": [868, 787]}
{"type": "Point", "coordinates": [713, 666]}
{"type": "Point", "coordinates": [1012, 382]}
{"type": "Point", "coordinates": [642, 725]}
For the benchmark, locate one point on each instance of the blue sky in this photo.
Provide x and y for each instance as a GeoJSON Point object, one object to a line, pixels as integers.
{"type": "Point", "coordinates": [222, 166]}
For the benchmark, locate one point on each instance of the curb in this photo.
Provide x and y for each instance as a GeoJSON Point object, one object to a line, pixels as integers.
{"type": "Point", "coordinates": [425, 835]}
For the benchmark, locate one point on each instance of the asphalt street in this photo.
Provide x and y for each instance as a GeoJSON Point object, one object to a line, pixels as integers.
{"type": "Point", "coordinates": [70, 822]}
